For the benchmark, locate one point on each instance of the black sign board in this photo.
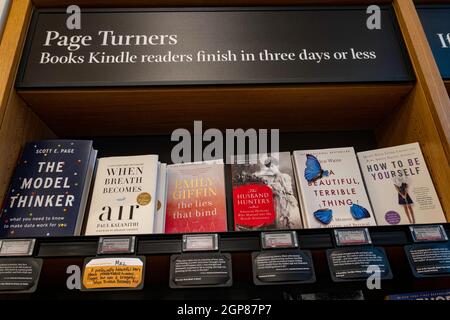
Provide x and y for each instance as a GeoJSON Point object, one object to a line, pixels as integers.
{"type": "Point", "coordinates": [429, 260]}
{"type": "Point", "coordinates": [19, 275]}
{"type": "Point", "coordinates": [436, 23]}
{"type": "Point", "coordinates": [137, 47]}
{"type": "Point", "coordinates": [199, 270]}
{"type": "Point", "coordinates": [282, 267]}
{"type": "Point", "coordinates": [354, 263]}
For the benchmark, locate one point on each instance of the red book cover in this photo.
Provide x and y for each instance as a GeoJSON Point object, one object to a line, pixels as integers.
{"type": "Point", "coordinates": [264, 194]}
{"type": "Point", "coordinates": [196, 200]}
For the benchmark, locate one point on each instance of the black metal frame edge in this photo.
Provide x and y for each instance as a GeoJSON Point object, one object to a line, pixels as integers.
{"type": "Point", "coordinates": [164, 244]}
{"type": "Point", "coordinates": [408, 77]}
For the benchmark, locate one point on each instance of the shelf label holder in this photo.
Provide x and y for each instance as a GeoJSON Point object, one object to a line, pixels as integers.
{"type": "Point", "coordinates": [279, 240]}
{"type": "Point", "coordinates": [116, 245]}
{"type": "Point", "coordinates": [428, 233]}
{"type": "Point", "coordinates": [352, 237]}
{"type": "Point", "coordinates": [200, 242]}
{"type": "Point", "coordinates": [17, 247]}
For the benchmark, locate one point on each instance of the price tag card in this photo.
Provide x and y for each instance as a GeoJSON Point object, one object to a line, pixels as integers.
{"type": "Point", "coordinates": [279, 240]}
{"type": "Point", "coordinates": [200, 242]}
{"type": "Point", "coordinates": [352, 237]}
{"type": "Point", "coordinates": [429, 259]}
{"type": "Point", "coordinates": [358, 263]}
{"type": "Point", "coordinates": [277, 267]}
{"type": "Point", "coordinates": [16, 247]}
{"type": "Point", "coordinates": [200, 270]}
{"type": "Point", "coordinates": [113, 273]}
{"type": "Point", "coordinates": [116, 245]}
{"type": "Point", "coordinates": [428, 233]}
{"type": "Point", "coordinates": [19, 275]}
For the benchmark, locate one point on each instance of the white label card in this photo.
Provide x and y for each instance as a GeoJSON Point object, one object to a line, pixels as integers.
{"type": "Point", "coordinates": [116, 245]}
{"type": "Point", "coordinates": [428, 233]}
{"type": "Point", "coordinates": [281, 240]}
{"type": "Point", "coordinates": [201, 242]}
{"type": "Point", "coordinates": [352, 237]}
{"type": "Point", "coordinates": [16, 247]}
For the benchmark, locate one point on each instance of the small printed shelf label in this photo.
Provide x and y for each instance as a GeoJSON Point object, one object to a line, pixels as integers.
{"type": "Point", "coordinates": [428, 233]}
{"type": "Point", "coordinates": [279, 240]}
{"type": "Point", "coordinates": [116, 245]}
{"type": "Point", "coordinates": [200, 242]}
{"type": "Point", "coordinates": [16, 247]}
{"type": "Point", "coordinates": [352, 237]}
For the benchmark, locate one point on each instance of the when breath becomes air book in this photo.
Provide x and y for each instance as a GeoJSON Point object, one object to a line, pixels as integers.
{"type": "Point", "coordinates": [196, 200]}
{"type": "Point", "coordinates": [399, 186]}
{"type": "Point", "coordinates": [331, 189]}
{"type": "Point", "coordinates": [124, 196]}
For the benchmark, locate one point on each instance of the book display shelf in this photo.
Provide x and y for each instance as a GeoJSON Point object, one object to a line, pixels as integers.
{"type": "Point", "coordinates": [133, 120]}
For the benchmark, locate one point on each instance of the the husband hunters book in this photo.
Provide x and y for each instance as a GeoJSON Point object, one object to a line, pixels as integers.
{"type": "Point", "coordinates": [49, 189]}
{"type": "Point", "coordinates": [264, 193]}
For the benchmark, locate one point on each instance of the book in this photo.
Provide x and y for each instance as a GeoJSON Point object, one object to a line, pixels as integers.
{"type": "Point", "coordinates": [196, 200]}
{"type": "Point", "coordinates": [426, 295]}
{"type": "Point", "coordinates": [160, 215]}
{"type": "Point", "coordinates": [331, 189]}
{"type": "Point", "coordinates": [400, 186]}
{"type": "Point", "coordinates": [4, 10]}
{"type": "Point", "coordinates": [124, 196]}
{"type": "Point", "coordinates": [264, 193]}
{"type": "Point", "coordinates": [49, 189]}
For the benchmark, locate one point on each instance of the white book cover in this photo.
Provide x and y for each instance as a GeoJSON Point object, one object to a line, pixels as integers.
{"type": "Point", "coordinates": [400, 187]}
{"type": "Point", "coordinates": [124, 196]}
{"type": "Point", "coordinates": [331, 189]}
{"type": "Point", "coordinates": [160, 216]}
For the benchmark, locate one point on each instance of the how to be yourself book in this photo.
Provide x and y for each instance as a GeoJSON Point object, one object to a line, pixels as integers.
{"type": "Point", "coordinates": [49, 189]}
{"type": "Point", "coordinates": [400, 187]}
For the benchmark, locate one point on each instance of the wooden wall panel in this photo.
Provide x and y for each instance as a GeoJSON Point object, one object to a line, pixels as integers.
{"type": "Point", "coordinates": [413, 122]}
{"type": "Point", "coordinates": [18, 123]}
{"type": "Point", "coordinates": [426, 70]}
{"type": "Point", "coordinates": [10, 48]}
{"type": "Point", "coordinates": [19, 126]}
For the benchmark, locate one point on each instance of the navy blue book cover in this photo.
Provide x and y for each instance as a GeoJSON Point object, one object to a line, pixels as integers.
{"type": "Point", "coordinates": [46, 190]}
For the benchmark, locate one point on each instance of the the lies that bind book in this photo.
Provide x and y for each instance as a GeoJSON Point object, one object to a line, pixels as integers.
{"type": "Point", "coordinates": [124, 196]}
{"type": "Point", "coordinates": [399, 186]}
{"type": "Point", "coordinates": [331, 189]}
{"type": "Point", "coordinates": [264, 193]}
{"type": "Point", "coordinates": [49, 189]}
{"type": "Point", "coordinates": [196, 200]}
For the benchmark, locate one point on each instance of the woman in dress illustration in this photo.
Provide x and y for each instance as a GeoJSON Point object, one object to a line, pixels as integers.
{"type": "Point", "coordinates": [404, 199]}
{"type": "Point", "coordinates": [286, 204]}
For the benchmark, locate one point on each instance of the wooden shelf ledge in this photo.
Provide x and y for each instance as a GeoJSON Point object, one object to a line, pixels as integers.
{"type": "Point", "coordinates": [137, 111]}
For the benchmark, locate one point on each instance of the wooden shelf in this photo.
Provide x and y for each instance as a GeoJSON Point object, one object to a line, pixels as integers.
{"type": "Point", "coordinates": [161, 110]}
